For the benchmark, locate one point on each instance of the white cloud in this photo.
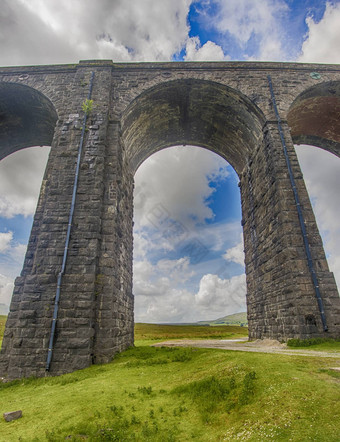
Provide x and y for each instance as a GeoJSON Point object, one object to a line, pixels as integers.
{"type": "Point", "coordinates": [141, 244]}
{"type": "Point", "coordinates": [160, 186]}
{"type": "Point", "coordinates": [11, 259]}
{"type": "Point", "coordinates": [63, 31]}
{"type": "Point", "coordinates": [5, 240]}
{"type": "Point", "coordinates": [210, 51]}
{"type": "Point", "coordinates": [160, 298]}
{"type": "Point", "coordinates": [245, 20]}
{"type": "Point", "coordinates": [322, 41]}
{"type": "Point", "coordinates": [222, 295]}
{"type": "Point", "coordinates": [159, 279]}
{"type": "Point", "coordinates": [270, 50]}
{"type": "Point", "coordinates": [6, 289]}
{"type": "Point", "coordinates": [17, 254]}
{"type": "Point", "coordinates": [25, 39]}
{"type": "Point", "coordinates": [176, 270]}
{"type": "Point", "coordinates": [177, 306]}
{"type": "Point", "coordinates": [236, 253]}
{"type": "Point", "coordinates": [20, 180]}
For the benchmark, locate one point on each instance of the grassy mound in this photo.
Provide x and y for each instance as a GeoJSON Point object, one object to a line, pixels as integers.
{"type": "Point", "coordinates": [179, 394]}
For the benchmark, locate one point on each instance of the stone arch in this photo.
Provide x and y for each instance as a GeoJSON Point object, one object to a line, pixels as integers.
{"type": "Point", "coordinates": [201, 113]}
{"type": "Point", "coordinates": [214, 116]}
{"type": "Point", "coordinates": [194, 112]}
{"type": "Point", "coordinates": [313, 117]}
{"type": "Point", "coordinates": [27, 118]}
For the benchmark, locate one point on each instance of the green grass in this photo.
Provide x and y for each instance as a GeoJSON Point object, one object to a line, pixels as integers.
{"type": "Point", "coordinates": [169, 394]}
{"type": "Point", "coordinates": [2, 326]}
{"type": "Point", "coordinates": [315, 343]}
{"type": "Point", "coordinates": [150, 333]}
{"type": "Point", "coordinates": [179, 394]}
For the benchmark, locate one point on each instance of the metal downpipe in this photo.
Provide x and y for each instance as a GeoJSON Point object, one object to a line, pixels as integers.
{"type": "Point", "coordinates": [299, 210]}
{"type": "Point", "coordinates": [67, 241]}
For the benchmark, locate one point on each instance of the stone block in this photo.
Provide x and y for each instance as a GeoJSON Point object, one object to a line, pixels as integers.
{"type": "Point", "coordinates": [78, 343]}
{"type": "Point", "coordinates": [12, 415]}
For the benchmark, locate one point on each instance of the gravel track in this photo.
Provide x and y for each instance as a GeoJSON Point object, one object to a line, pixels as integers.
{"type": "Point", "coordinates": [258, 346]}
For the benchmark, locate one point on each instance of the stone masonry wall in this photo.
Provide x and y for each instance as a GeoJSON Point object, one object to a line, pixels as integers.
{"type": "Point", "coordinates": [95, 318]}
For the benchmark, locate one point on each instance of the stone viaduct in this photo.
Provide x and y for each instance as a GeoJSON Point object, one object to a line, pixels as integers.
{"type": "Point", "coordinates": [73, 304]}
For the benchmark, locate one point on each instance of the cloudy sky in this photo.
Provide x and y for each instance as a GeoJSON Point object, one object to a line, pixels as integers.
{"type": "Point", "coordinates": [188, 256]}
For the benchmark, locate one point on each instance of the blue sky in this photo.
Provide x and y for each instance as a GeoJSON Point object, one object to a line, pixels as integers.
{"type": "Point", "coordinates": [188, 262]}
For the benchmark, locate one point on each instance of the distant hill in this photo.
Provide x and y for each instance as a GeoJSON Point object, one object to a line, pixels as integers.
{"type": "Point", "coordinates": [235, 319]}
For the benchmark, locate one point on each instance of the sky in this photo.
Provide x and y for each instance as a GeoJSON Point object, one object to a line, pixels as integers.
{"type": "Point", "coordinates": [188, 250]}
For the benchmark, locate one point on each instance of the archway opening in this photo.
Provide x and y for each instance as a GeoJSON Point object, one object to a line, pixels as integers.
{"type": "Point", "coordinates": [321, 170]}
{"type": "Point", "coordinates": [27, 119]}
{"type": "Point", "coordinates": [192, 113]}
{"type": "Point", "coordinates": [315, 127]}
{"type": "Point", "coordinates": [21, 175]}
{"type": "Point", "coordinates": [188, 248]}
{"type": "Point", "coordinates": [314, 117]}
{"type": "Point", "coordinates": [196, 113]}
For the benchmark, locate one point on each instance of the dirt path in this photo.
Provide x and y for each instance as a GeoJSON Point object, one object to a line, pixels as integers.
{"type": "Point", "coordinates": [259, 346]}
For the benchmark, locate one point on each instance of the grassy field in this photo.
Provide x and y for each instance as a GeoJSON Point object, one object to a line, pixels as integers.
{"type": "Point", "coordinates": [178, 394]}
{"type": "Point", "coordinates": [150, 333]}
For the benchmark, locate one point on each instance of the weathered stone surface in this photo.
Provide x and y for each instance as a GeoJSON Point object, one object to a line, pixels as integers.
{"type": "Point", "coordinates": [138, 110]}
{"type": "Point", "coordinates": [12, 415]}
